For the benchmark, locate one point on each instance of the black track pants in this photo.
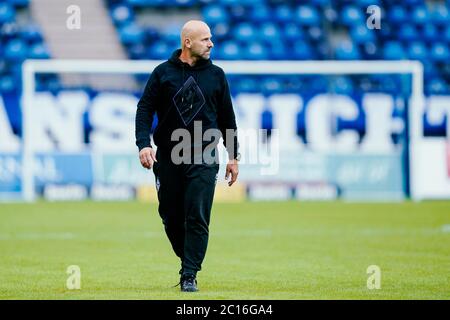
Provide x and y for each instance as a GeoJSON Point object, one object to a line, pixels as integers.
{"type": "Point", "coordinates": [185, 194]}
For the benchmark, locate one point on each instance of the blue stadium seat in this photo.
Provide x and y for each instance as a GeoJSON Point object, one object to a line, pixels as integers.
{"type": "Point", "coordinates": [430, 32]}
{"type": "Point", "coordinates": [292, 32]}
{"type": "Point", "coordinates": [370, 50]}
{"type": "Point", "coordinates": [38, 51]}
{"type": "Point", "coordinates": [315, 33]}
{"type": "Point", "coordinates": [277, 50]}
{"type": "Point", "coordinates": [361, 34]}
{"type": "Point", "coordinates": [9, 30]}
{"type": "Point", "coordinates": [248, 84]}
{"type": "Point", "coordinates": [440, 52]}
{"type": "Point", "coordinates": [393, 50]}
{"type": "Point", "coordinates": [269, 32]}
{"type": "Point", "coordinates": [341, 85]}
{"type": "Point", "coordinates": [121, 14]}
{"type": "Point", "coordinates": [352, 15]}
{"type": "Point", "coordinates": [436, 86]}
{"type": "Point", "coordinates": [7, 13]}
{"type": "Point", "coordinates": [245, 32]}
{"type": "Point", "coordinates": [151, 34]}
{"type": "Point", "coordinates": [324, 51]}
{"type": "Point", "coordinates": [137, 51]}
{"type": "Point", "coordinates": [307, 15]}
{"type": "Point", "coordinates": [131, 34]}
{"type": "Point", "coordinates": [408, 32]}
{"type": "Point", "coordinates": [220, 30]}
{"type": "Point", "coordinates": [213, 14]}
{"type": "Point", "coordinates": [365, 85]}
{"type": "Point", "coordinates": [259, 13]}
{"type": "Point", "coordinates": [283, 13]}
{"type": "Point", "coordinates": [230, 50]}
{"type": "Point", "coordinates": [7, 83]}
{"type": "Point", "coordinates": [346, 50]}
{"type": "Point", "coordinates": [15, 50]}
{"type": "Point", "coordinates": [330, 15]}
{"type": "Point", "coordinates": [159, 50]}
{"type": "Point", "coordinates": [301, 50]}
{"type": "Point", "coordinates": [271, 85]}
{"type": "Point", "coordinates": [31, 33]}
{"type": "Point", "coordinates": [238, 13]}
{"type": "Point", "coordinates": [417, 51]}
{"type": "Point", "coordinates": [389, 85]}
{"type": "Point", "coordinates": [255, 51]}
{"type": "Point", "coordinates": [440, 14]}
{"type": "Point", "coordinates": [397, 14]}
{"type": "Point", "coordinates": [420, 15]}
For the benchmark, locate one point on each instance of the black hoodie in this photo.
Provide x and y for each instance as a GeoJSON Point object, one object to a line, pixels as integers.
{"type": "Point", "coordinates": [181, 94]}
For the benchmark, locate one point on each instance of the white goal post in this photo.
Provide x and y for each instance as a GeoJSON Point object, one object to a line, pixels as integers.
{"type": "Point", "coordinates": [31, 68]}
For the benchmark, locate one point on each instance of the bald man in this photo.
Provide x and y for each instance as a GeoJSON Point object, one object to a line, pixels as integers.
{"type": "Point", "coordinates": [189, 95]}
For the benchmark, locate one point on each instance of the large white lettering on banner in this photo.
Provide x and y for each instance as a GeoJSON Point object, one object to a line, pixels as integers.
{"type": "Point", "coordinates": [57, 121]}
{"type": "Point", "coordinates": [112, 118]}
{"type": "Point", "coordinates": [58, 124]}
{"type": "Point", "coordinates": [316, 135]}
{"type": "Point", "coordinates": [430, 155]}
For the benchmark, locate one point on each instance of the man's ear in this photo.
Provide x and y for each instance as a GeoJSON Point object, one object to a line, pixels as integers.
{"type": "Point", "coordinates": [187, 43]}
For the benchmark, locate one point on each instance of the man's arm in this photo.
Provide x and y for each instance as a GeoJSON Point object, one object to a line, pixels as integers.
{"type": "Point", "coordinates": [146, 108]}
{"type": "Point", "coordinates": [228, 128]}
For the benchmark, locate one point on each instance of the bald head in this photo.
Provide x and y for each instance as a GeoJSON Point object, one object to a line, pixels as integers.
{"type": "Point", "coordinates": [193, 29]}
{"type": "Point", "coordinates": [196, 39]}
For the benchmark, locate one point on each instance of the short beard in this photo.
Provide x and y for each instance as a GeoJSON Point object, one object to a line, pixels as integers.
{"type": "Point", "coordinates": [199, 57]}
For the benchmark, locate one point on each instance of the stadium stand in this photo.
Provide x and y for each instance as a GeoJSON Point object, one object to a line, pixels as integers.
{"type": "Point", "coordinates": [20, 39]}
{"type": "Point", "coordinates": [257, 30]}
{"type": "Point", "coordinates": [289, 30]}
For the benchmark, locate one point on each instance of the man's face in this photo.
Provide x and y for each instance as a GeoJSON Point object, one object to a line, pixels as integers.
{"type": "Point", "coordinates": [201, 44]}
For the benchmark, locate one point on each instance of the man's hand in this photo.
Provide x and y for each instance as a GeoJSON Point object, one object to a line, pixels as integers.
{"type": "Point", "coordinates": [148, 157]}
{"type": "Point", "coordinates": [232, 168]}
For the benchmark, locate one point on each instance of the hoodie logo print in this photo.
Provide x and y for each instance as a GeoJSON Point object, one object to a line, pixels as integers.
{"type": "Point", "coordinates": [189, 100]}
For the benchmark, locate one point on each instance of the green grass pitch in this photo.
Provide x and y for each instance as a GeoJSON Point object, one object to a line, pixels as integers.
{"type": "Point", "coordinates": [267, 250]}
